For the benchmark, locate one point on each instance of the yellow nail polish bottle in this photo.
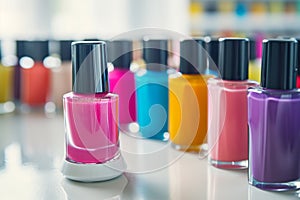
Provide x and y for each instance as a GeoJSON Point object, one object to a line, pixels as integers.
{"type": "Point", "coordinates": [188, 98]}
{"type": "Point", "coordinates": [254, 65]}
{"type": "Point", "coordinates": [6, 87]}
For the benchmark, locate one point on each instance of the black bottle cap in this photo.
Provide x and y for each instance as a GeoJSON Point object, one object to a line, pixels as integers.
{"type": "Point", "coordinates": [279, 64]}
{"type": "Point", "coordinates": [212, 47]}
{"type": "Point", "coordinates": [89, 63]}
{"type": "Point", "coordinates": [155, 54]}
{"type": "Point", "coordinates": [234, 58]}
{"type": "Point", "coordinates": [65, 49]}
{"type": "Point", "coordinates": [252, 49]}
{"type": "Point", "coordinates": [20, 48]}
{"type": "Point", "coordinates": [37, 50]}
{"type": "Point", "coordinates": [120, 53]}
{"type": "Point", "coordinates": [298, 56]}
{"type": "Point", "coordinates": [193, 58]}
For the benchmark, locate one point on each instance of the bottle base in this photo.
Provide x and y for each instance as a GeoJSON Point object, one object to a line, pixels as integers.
{"type": "Point", "coordinates": [94, 172]}
{"type": "Point", "coordinates": [162, 137]}
{"type": "Point", "coordinates": [131, 128]}
{"type": "Point", "coordinates": [286, 186]}
{"type": "Point", "coordinates": [187, 148]}
{"type": "Point", "coordinates": [243, 164]}
{"type": "Point", "coordinates": [7, 107]}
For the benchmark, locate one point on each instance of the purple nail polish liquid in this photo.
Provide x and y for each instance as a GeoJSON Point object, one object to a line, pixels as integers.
{"type": "Point", "coordinates": [273, 117]}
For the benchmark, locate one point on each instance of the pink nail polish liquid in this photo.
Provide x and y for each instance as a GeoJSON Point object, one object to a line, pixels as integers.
{"type": "Point", "coordinates": [91, 122]}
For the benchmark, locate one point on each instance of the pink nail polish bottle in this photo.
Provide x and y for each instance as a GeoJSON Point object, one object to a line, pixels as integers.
{"type": "Point", "coordinates": [121, 81]}
{"type": "Point", "coordinates": [227, 105]}
{"type": "Point", "coordinates": [91, 118]}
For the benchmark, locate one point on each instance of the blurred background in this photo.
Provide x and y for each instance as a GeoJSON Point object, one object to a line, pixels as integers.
{"type": "Point", "coordinates": [91, 18]}
{"type": "Point", "coordinates": [75, 19]}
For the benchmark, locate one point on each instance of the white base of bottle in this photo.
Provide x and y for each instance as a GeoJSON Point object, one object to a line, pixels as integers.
{"type": "Point", "coordinates": [94, 172]}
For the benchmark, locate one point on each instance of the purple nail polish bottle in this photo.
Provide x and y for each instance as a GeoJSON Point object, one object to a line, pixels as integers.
{"type": "Point", "coordinates": [273, 117]}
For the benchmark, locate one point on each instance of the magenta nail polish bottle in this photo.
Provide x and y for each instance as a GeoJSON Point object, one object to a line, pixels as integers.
{"type": "Point", "coordinates": [91, 118]}
{"type": "Point", "coordinates": [121, 81]}
{"type": "Point", "coordinates": [273, 117]}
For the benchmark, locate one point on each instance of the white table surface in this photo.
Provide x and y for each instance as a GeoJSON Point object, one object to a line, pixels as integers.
{"type": "Point", "coordinates": [32, 150]}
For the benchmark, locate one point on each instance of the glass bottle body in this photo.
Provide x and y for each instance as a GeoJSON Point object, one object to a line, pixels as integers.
{"type": "Point", "coordinates": [152, 103]}
{"type": "Point", "coordinates": [121, 82]}
{"type": "Point", "coordinates": [6, 89]}
{"type": "Point", "coordinates": [274, 162]}
{"type": "Point", "coordinates": [228, 127]}
{"type": "Point", "coordinates": [91, 122]}
{"type": "Point", "coordinates": [35, 84]}
{"type": "Point", "coordinates": [188, 110]}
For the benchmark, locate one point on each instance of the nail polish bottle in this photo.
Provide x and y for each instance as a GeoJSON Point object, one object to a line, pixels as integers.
{"type": "Point", "coordinates": [17, 74]}
{"type": "Point", "coordinates": [121, 81]}
{"type": "Point", "coordinates": [6, 86]}
{"type": "Point", "coordinates": [61, 74]}
{"type": "Point", "coordinates": [91, 117]}
{"type": "Point", "coordinates": [152, 91]}
{"type": "Point", "coordinates": [188, 97]}
{"type": "Point", "coordinates": [254, 65]}
{"type": "Point", "coordinates": [274, 112]}
{"type": "Point", "coordinates": [298, 61]}
{"type": "Point", "coordinates": [212, 48]}
{"type": "Point", "coordinates": [35, 77]}
{"type": "Point", "coordinates": [228, 127]}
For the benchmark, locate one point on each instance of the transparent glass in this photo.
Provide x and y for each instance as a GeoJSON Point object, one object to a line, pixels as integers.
{"type": "Point", "coordinates": [152, 103]}
{"type": "Point", "coordinates": [188, 111]}
{"type": "Point", "coordinates": [228, 124]}
{"type": "Point", "coordinates": [274, 138]}
{"type": "Point", "coordinates": [122, 83]}
{"type": "Point", "coordinates": [91, 125]}
{"type": "Point", "coordinates": [6, 89]}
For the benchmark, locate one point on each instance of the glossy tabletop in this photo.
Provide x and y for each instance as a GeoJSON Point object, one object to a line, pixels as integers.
{"type": "Point", "coordinates": [32, 150]}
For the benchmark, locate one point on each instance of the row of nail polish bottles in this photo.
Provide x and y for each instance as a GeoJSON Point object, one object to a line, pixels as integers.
{"type": "Point", "coordinates": [143, 94]}
{"type": "Point", "coordinates": [270, 109]}
{"type": "Point", "coordinates": [227, 100]}
{"type": "Point", "coordinates": [36, 78]}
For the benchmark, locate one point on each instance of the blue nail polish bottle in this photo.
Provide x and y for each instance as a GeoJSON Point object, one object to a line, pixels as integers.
{"type": "Point", "coordinates": [152, 91]}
